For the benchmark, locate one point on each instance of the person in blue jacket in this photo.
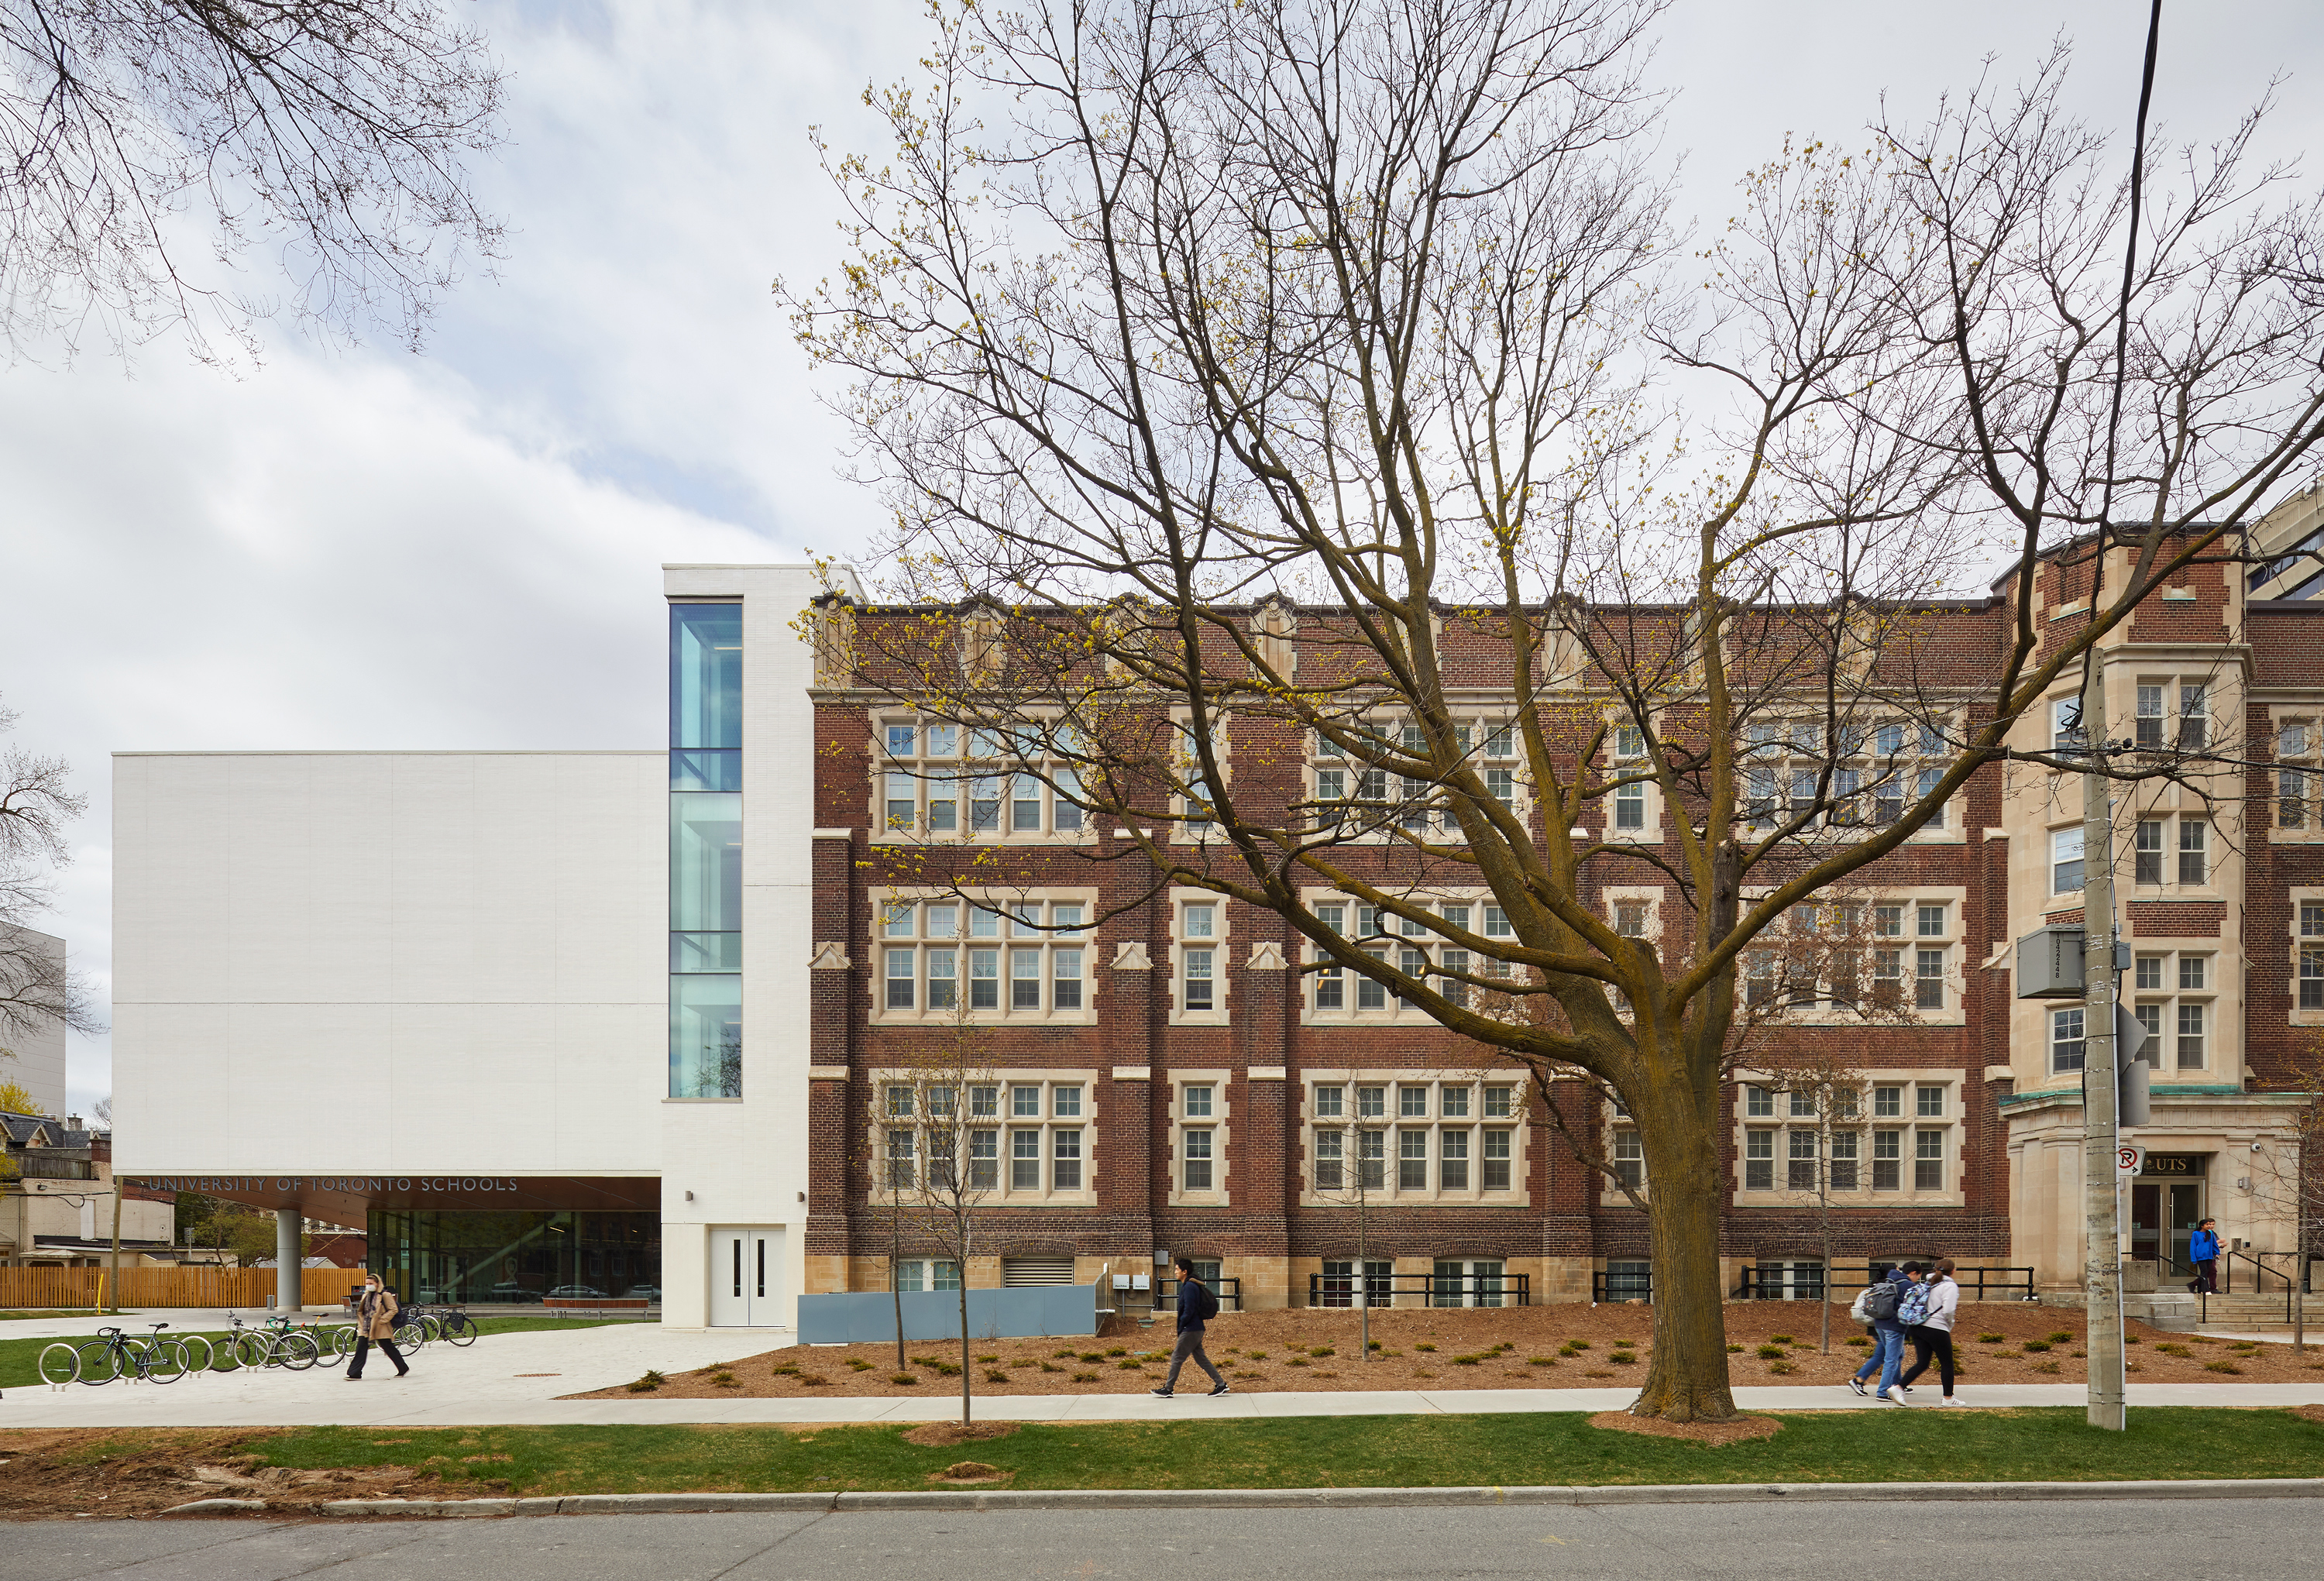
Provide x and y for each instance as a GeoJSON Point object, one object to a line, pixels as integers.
{"type": "Point", "coordinates": [2203, 1251]}
{"type": "Point", "coordinates": [1195, 1304]}
{"type": "Point", "coordinates": [1887, 1358]}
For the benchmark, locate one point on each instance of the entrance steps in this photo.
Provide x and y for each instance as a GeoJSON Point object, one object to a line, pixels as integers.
{"type": "Point", "coordinates": [2245, 1313]}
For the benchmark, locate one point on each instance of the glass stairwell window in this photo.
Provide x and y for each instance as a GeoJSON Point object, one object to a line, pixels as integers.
{"type": "Point", "coordinates": [705, 850]}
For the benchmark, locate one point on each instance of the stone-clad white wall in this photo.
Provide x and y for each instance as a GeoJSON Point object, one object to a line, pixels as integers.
{"type": "Point", "coordinates": [401, 961]}
{"type": "Point", "coordinates": [38, 1065]}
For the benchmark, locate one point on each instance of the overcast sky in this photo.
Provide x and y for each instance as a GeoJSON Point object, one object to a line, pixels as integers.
{"type": "Point", "coordinates": [461, 550]}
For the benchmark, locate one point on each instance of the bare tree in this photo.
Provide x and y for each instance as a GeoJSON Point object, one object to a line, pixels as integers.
{"type": "Point", "coordinates": [938, 1119]}
{"type": "Point", "coordinates": [152, 150]}
{"type": "Point", "coordinates": [37, 987]}
{"type": "Point", "coordinates": [1275, 477]}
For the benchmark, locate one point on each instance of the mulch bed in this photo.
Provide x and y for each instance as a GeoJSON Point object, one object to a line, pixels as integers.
{"type": "Point", "coordinates": [944, 1434]}
{"type": "Point", "coordinates": [1741, 1430]}
{"type": "Point", "coordinates": [1312, 1350]}
{"type": "Point", "coordinates": [48, 1472]}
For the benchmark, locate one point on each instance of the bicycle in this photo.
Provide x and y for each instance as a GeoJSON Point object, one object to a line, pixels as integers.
{"type": "Point", "coordinates": [456, 1327]}
{"type": "Point", "coordinates": [154, 1360]}
{"type": "Point", "coordinates": [273, 1344]}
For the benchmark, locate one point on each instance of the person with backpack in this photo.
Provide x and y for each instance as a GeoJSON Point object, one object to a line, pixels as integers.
{"type": "Point", "coordinates": [1932, 1336]}
{"type": "Point", "coordinates": [2203, 1251]}
{"type": "Point", "coordinates": [1196, 1307]}
{"type": "Point", "coordinates": [1878, 1305]}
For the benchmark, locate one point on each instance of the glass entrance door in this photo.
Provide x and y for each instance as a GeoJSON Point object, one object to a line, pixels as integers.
{"type": "Point", "coordinates": [2145, 1222]}
{"type": "Point", "coordinates": [2186, 1213]}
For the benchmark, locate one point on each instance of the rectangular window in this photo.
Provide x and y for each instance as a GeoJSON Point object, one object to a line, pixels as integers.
{"type": "Point", "coordinates": [1329, 1159]}
{"type": "Point", "coordinates": [2066, 1041]}
{"type": "Point", "coordinates": [1066, 1103]}
{"type": "Point", "coordinates": [2150, 1021]}
{"type": "Point", "coordinates": [1843, 1160]}
{"type": "Point", "coordinates": [1024, 979]}
{"type": "Point", "coordinates": [1887, 979]}
{"type": "Point", "coordinates": [1025, 804]}
{"type": "Point", "coordinates": [1412, 1161]}
{"type": "Point", "coordinates": [2194, 851]}
{"type": "Point", "coordinates": [984, 1102]}
{"type": "Point", "coordinates": [2194, 720]}
{"type": "Point", "coordinates": [2311, 919]}
{"type": "Point", "coordinates": [985, 980]}
{"type": "Point", "coordinates": [899, 1103]}
{"type": "Point", "coordinates": [1331, 989]}
{"type": "Point", "coordinates": [2066, 860]}
{"type": "Point", "coordinates": [1930, 920]}
{"type": "Point", "coordinates": [1200, 921]}
{"type": "Point", "coordinates": [2192, 970]}
{"type": "Point", "coordinates": [1929, 1161]}
{"type": "Point", "coordinates": [2065, 723]}
{"type": "Point", "coordinates": [2146, 854]}
{"type": "Point", "coordinates": [1024, 1160]}
{"type": "Point", "coordinates": [901, 1173]}
{"type": "Point", "coordinates": [1453, 1103]}
{"type": "Point", "coordinates": [2291, 799]}
{"type": "Point", "coordinates": [1496, 1173]}
{"type": "Point", "coordinates": [2191, 1037]}
{"type": "Point", "coordinates": [1758, 1160]}
{"type": "Point", "coordinates": [984, 1160]}
{"type": "Point", "coordinates": [1371, 1159]}
{"type": "Point", "coordinates": [1804, 1105]}
{"type": "Point", "coordinates": [1630, 807]}
{"type": "Point", "coordinates": [1197, 1101]}
{"type": "Point", "coordinates": [1929, 980]}
{"type": "Point", "coordinates": [1887, 1101]}
{"type": "Point", "coordinates": [943, 983]}
{"type": "Point", "coordinates": [2312, 979]}
{"type": "Point", "coordinates": [1025, 1102]}
{"type": "Point", "coordinates": [1801, 1173]}
{"type": "Point", "coordinates": [1372, 1102]}
{"type": "Point", "coordinates": [2147, 972]}
{"type": "Point", "coordinates": [1453, 1160]}
{"type": "Point", "coordinates": [1197, 980]}
{"type": "Point", "coordinates": [1759, 1100]}
{"type": "Point", "coordinates": [2150, 719]}
{"type": "Point", "coordinates": [1501, 785]}
{"type": "Point", "coordinates": [1370, 995]}
{"type": "Point", "coordinates": [1412, 1103]}
{"type": "Point", "coordinates": [1630, 1160]}
{"type": "Point", "coordinates": [1331, 1102]}
{"type": "Point", "coordinates": [901, 979]}
{"type": "Point", "coordinates": [1500, 1102]}
{"type": "Point", "coordinates": [1065, 978]}
{"type": "Point", "coordinates": [1888, 1161]}
{"type": "Point", "coordinates": [1194, 1151]}
{"type": "Point", "coordinates": [1929, 1102]}
{"type": "Point", "coordinates": [1065, 1157]}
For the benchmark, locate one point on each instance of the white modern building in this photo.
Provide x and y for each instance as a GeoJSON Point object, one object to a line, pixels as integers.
{"type": "Point", "coordinates": [491, 1004]}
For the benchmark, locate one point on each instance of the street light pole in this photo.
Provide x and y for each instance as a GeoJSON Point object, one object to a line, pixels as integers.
{"type": "Point", "coordinates": [2101, 1120]}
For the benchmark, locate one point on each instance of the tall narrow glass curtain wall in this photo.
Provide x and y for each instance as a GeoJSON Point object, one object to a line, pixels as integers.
{"type": "Point", "coordinates": [705, 850]}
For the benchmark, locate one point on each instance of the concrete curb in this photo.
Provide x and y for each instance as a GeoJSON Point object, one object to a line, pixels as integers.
{"type": "Point", "coordinates": [975, 1499]}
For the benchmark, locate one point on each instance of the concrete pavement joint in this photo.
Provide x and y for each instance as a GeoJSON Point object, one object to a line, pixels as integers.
{"type": "Point", "coordinates": [1574, 1495]}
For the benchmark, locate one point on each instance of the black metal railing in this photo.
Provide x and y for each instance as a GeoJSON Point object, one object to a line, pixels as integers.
{"type": "Point", "coordinates": [1383, 1291]}
{"type": "Point", "coordinates": [1228, 1289]}
{"type": "Point", "coordinates": [1620, 1285]}
{"type": "Point", "coordinates": [1788, 1283]}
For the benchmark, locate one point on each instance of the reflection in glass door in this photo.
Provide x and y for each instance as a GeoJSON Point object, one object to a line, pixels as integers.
{"type": "Point", "coordinates": [2186, 1213]}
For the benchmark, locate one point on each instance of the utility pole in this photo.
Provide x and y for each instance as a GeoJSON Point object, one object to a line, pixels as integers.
{"type": "Point", "coordinates": [2101, 1126]}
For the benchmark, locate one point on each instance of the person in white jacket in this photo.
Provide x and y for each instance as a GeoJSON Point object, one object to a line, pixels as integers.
{"type": "Point", "coordinates": [1932, 1336]}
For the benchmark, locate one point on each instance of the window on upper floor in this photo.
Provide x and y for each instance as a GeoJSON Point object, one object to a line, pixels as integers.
{"type": "Point", "coordinates": [2174, 996]}
{"type": "Point", "coordinates": [2308, 928]}
{"type": "Point", "coordinates": [1357, 790]}
{"type": "Point", "coordinates": [1018, 959]}
{"type": "Point", "coordinates": [2299, 780]}
{"type": "Point", "coordinates": [1818, 1153]}
{"type": "Point", "coordinates": [1410, 945]}
{"type": "Point", "coordinates": [942, 782]}
{"type": "Point", "coordinates": [1452, 1138]}
{"type": "Point", "coordinates": [1020, 1136]}
{"type": "Point", "coordinates": [2066, 860]}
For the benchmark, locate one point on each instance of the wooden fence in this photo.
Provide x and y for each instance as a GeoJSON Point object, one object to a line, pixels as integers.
{"type": "Point", "coordinates": [48, 1289]}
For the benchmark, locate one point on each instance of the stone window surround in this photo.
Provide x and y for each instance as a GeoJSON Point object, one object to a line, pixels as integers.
{"type": "Point", "coordinates": [2314, 895]}
{"type": "Point", "coordinates": [1435, 1079]}
{"type": "Point", "coordinates": [880, 898]}
{"type": "Point", "coordinates": [1486, 719]}
{"type": "Point", "coordinates": [1956, 1083]}
{"type": "Point", "coordinates": [2310, 762]}
{"type": "Point", "coordinates": [1049, 1078]}
{"type": "Point", "coordinates": [1222, 741]}
{"type": "Point", "coordinates": [881, 832]}
{"type": "Point", "coordinates": [1394, 1012]}
{"type": "Point", "coordinates": [1949, 827]}
{"type": "Point", "coordinates": [1221, 977]}
{"type": "Point", "coordinates": [2163, 1054]}
{"type": "Point", "coordinates": [1955, 900]}
{"type": "Point", "coordinates": [1219, 1122]}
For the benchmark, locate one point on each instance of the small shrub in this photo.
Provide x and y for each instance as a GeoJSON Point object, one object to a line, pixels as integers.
{"type": "Point", "coordinates": [926, 1361]}
{"type": "Point", "coordinates": [2131, 1339]}
{"type": "Point", "coordinates": [1296, 1360]}
{"type": "Point", "coordinates": [1734, 1350]}
{"type": "Point", "coordinates": [1424, 1345]}
{"type": "Point", "coordinates": [1259, 1356]}
{"type": "Point", "coordinates": [1598, 1373]}
{"type": "Point", "coordinates": [995, 1375]}
{"type": "Point", "coordinates": [1981, 1339]}
{"type": "Point", "coordinates": [1245, 1374]}
{"type": "Point", "coordinates": [1466, 1361]}
{"type": "Point", "coordinates": [2078, 1355]}
{"type": "Point", "coordinates": [858, 1363]}
{"type": "Point", "coordinates": [1541, 1361]}
{"type": "Point", "coordinates": [903, 1380]}
{"type": "Point", "coordinates": [1051, 1367]}
{"type": "Point", "coordinates": [726, 1379]}
{"type": "Point", "coordinates": [2007, 1356]}
{"type": "Point", "coordinates": [2050, 1367]}
{"type": "Point", "coordinates": [1783, 1368]}
{"type": "Point", "coordinates": [2169, 1349]}
{"type": "Point", "coordinates": [1772, 1353]}
{"type": "Point", "coordinates": [1859, 1341]}
{"type": "Point", "coordinates": [988, 1359]}
{"type": "Point", "coordinates": [1320, 1351]}
{"type": "Point", "coordinates": [650, 1380]}
{"type": "Point", "coordinates": [1623, 1357]}
{"type": "Point", "coordinates": [1093, 1356]}
{"type": "Point", "coordinates": [2227, 1368]}
{"type": "Point", "coordinates": [2060, 1337]}
{"type": "Point", "coordinates": [1374, 1344]}
{"type": "Point", "coordinates": [1577, 1345]}
{"type": "Point", "coordinates": [812, 1379]}
{"type": "Point", "coordinates": [1085, 1377]}
{"type": "Point", "coordinates": [1128, 1366]}
{"type": "Point", "coordinates": [1396, 1353]}
{"type": "Point", "coordinates": [1119, 1350]}
{"type": "Point", "coordinates": [786, 1368]}
{"type": "Point", "coordinates": [1064, 1355]}
{"type": "Point", "coordinates": [2035, 1346]}
{"type": "Point", "coordinates": [1773, 1339]}
{"type": "Point", "coordinates": [1632, 1344]}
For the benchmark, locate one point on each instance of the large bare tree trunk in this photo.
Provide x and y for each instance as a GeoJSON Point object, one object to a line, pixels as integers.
{"type": "Point", "coordinates": [1686, 1374]}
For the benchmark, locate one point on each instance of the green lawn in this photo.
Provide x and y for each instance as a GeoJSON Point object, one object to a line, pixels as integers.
{"type": "Point", "coordinates": [20, 1358]}
{"type": "Point", "coordinates": [1921, 1445]}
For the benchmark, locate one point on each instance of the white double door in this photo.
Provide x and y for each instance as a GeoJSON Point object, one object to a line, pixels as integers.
{"type": "Point", "coordinates": [746, 1264]}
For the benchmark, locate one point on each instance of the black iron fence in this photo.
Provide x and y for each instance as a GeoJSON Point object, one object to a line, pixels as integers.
{"type": "Point", "coordinates": [1229, 1289]}
{"type": "Point", "coordinates": [1794, 1281]}
{"type": "Point", "coordinates": [1381, 1291]}
{"type": "Point", "coordinates": [1623, 1282]}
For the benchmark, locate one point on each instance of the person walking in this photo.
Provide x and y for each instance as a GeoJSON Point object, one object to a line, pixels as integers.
{"type": "Point", "coordinates": [1932, 1336]}
{"type": "Point", "coordinates": [375, 1325]}
{"type": "Point", "coordinates": [1878, 1306]}
{"type": "Point", "coordinates": [1196, 1307]}
{"type": "Point", "coordinates": [2203, 1251]}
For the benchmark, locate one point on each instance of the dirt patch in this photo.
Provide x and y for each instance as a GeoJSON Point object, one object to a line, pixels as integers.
{"type": "Point", "coordinates": [944, 1434]}
{"type": "Point", "coordinates": [1440, 1349]}
{"type": "Point", "coordinates": [1741, 1430]}
{"type": "Point", "coordinates": [130, 1472]}
{"type": "Point", "coordinates": [970, 1474]}
{"type": "Point", "coordinates": [2314, 1413]}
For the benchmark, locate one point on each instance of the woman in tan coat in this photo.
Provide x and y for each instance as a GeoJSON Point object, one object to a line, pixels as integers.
{"type": "Point", "coordinates": [374, 1324]}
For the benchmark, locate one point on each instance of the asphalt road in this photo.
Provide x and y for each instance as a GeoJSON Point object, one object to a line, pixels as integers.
{"type": "Point", "coordinates": [2114, 1540]}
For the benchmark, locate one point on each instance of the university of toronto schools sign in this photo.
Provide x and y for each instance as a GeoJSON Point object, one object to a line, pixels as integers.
{"type": "Point", "coordinates": [365, 1185]}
